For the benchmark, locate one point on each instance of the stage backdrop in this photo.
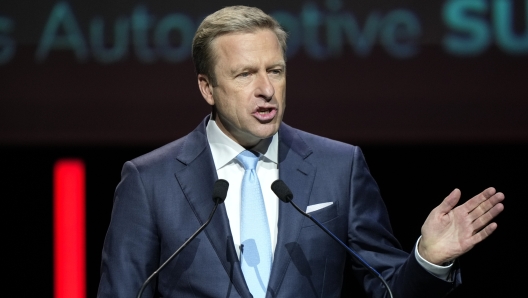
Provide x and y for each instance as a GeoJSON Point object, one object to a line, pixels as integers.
{"type": "Point", "coordinates": [120, 72]}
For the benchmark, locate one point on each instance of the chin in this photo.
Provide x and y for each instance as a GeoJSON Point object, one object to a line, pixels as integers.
{"type": "Point", "coordinates": [268, 133]}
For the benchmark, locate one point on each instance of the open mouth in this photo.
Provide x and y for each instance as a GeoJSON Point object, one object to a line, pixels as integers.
{"type": "Point", "coordinates": [265, 114]}
{"type": "Point", "coordinates": [263, 111]}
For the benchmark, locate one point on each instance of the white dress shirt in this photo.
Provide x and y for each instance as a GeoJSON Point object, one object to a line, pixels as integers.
{"type": "Point", "coordinates": [225, 151]}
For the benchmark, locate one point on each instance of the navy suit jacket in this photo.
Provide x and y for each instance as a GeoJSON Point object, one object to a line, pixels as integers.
{"type": "Point", "coordinates": [165, 196]}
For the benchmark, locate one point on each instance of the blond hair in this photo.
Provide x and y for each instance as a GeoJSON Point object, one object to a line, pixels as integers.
{"type": "Point", "coordinates": [232, 19]}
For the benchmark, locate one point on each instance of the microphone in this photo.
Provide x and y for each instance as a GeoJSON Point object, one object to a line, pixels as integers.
{"type": "Point", "coordinates": [284, 193]}
{"type": "Point", "coordinates": [219, 194]}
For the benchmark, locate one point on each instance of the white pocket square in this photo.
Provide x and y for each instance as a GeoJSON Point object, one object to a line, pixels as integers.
{"type": "Point", "coordinates": [316, 207]}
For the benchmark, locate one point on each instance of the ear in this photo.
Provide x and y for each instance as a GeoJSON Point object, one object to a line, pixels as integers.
{"type": "Point", "coordinates": [206, 88]}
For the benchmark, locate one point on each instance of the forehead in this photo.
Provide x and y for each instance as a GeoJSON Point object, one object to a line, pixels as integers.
{"type": "Point", "coordinates": [261, 45]}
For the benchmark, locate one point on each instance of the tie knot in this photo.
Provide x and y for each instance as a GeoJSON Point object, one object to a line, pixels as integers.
{"type": "Point", "coordinates": [248, 159]}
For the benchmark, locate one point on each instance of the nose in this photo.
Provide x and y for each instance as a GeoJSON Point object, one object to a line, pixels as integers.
{"type": "Point", "coordinates": [264, 87]}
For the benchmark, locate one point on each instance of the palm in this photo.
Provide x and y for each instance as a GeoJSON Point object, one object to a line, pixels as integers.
{"type": "Point", "coordinates": [449, 232]}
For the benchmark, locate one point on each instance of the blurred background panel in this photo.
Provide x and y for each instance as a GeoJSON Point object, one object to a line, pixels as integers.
{"type": "Point", "coordinates": [120, 72]}
{"type": "Point", "coordinates": [433, 91]}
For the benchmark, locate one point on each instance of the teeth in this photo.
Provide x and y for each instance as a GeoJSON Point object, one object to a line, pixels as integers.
{"type": "Point", "coordinates": [264, 112]}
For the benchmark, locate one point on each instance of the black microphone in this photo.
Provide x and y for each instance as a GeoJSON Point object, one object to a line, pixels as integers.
{"type": "Point", "coordinates": [284, 193]}
{"type": "Point", "coordinates": [219, 194]}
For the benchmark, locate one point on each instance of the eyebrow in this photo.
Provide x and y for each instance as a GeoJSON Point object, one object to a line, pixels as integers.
{"type": "Point", "coordinates": [241, 67]}
{"type": "Point", "coordinates": [280, 64]}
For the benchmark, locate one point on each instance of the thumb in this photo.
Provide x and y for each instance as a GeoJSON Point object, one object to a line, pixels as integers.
{"type": "Point", "coordinates": [449, 202]}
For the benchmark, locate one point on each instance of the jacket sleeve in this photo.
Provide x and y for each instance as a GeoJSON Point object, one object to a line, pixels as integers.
{"type": "Point", "coordinates": [370, 233]}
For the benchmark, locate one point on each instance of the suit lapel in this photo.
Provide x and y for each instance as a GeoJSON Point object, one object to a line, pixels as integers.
{"type": "Point", "coordinates": [196, 177]}
{"type": "Point", "coordinates": [299, 175]}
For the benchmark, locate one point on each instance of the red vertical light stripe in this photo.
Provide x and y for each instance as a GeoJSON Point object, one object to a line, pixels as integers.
{"type": "Point", "coordinates": [69, 229]}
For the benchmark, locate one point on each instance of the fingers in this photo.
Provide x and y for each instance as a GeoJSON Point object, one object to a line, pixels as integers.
{"type": "Point", "coordinates": [474, 202]}
{"type": "Point", "coordinates": [487, 216]}
{"type": "Point", "coordinates": [484, 233]}
{"type": "Point", "coordinates": [486, 206]}
{"type": "Point", "coordinates": [449, 202]}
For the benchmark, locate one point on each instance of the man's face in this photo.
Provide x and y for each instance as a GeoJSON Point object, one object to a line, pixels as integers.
{"type": "Point", "coordinates": [251, 85]}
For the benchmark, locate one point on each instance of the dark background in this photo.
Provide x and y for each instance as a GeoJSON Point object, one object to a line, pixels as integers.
{"type": "Point", "coordinates": [427, 124]}
{"type": "Point", "coordinates": [413, 179]}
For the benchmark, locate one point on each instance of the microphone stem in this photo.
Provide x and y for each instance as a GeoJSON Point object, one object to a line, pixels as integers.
{"type": "Point", "coordinates": [353, 253]}
{"type": "Point", "coordinates": [178, 251]}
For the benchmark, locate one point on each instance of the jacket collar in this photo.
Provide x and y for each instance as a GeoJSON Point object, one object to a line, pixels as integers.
{"type": "Point", "coordinates": [196, 176]}
{"type": "Point", "coordinates": [298, 174]}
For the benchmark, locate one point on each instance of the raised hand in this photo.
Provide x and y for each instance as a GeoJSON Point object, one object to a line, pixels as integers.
{"type": "Point", "coordinates": [449, 232]}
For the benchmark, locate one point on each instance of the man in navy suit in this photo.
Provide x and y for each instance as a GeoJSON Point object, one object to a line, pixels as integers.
{"type": "Point", "coordinates": [164, 196]}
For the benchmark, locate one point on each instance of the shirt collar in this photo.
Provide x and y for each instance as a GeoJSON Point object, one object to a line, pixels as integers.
{"type": "Point", "coordinates": [224, 149]}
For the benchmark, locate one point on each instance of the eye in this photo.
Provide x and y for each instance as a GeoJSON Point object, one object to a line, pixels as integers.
{"type": "Point", "coordinates": [276, 72]}
{"type": "Point", "coordinates": [244, 74]}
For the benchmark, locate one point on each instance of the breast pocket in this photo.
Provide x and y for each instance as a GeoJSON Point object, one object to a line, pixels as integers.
{"type": "Point", "coordinates": [322, 215]}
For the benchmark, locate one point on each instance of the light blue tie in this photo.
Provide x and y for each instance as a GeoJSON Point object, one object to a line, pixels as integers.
{"type": "Point", "coordinates": [254, 229]}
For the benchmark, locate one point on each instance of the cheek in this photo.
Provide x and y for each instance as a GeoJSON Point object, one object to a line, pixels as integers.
{"type": "Point", "coordinates": [231, 109]}
{"type": "Point", "coordinates": [280, 90]}
{"type": "Point", "coordinates": [223, 102]}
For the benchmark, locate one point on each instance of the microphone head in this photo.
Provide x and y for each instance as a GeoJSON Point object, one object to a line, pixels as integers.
{"type": "Point", "coordinates": [220, 191]}
{"type": "Point", "coordinates": [282, 191]}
